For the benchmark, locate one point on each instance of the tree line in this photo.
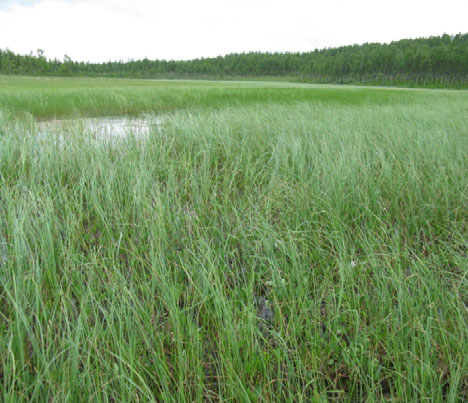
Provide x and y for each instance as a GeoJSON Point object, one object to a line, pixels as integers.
{"type": "Point", "coordinates": [437, 61]}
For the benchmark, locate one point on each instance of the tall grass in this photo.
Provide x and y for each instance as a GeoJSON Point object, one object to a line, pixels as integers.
{"type": "Point", "coordinates": [62, 98]}
{"type": "Point", "coordinates": [301, 251]}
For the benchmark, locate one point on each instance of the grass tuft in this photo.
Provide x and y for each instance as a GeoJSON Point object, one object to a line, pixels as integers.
{"type": "Point", "coordinates": [261, 244]}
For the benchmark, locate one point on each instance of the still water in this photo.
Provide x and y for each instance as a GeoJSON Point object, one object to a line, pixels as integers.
{"type": "Point", "coordinates": [106, 129]}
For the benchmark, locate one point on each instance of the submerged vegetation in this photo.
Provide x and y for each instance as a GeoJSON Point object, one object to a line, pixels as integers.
{"type": "Point", "coordinates": [438, 61]}
{"type": "Point", "coordinates": [265, 242]}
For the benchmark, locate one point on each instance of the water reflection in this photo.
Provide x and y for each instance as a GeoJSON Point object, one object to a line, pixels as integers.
{"type": "Point", "coordinates": [106, 129]}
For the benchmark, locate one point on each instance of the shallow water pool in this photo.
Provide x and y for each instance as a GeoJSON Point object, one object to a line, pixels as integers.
{"type": "Point", "coordinates": [105, 128]}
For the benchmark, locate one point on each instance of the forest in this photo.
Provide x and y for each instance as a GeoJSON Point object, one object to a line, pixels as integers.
{"type": "Point", "coordinates": [437, 61]}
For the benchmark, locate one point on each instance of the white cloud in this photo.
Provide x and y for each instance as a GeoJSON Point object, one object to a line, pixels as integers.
{"type": "Point", "coordinates": [5, 4]}
{"type": "Point", "coordinates": [101, 30]}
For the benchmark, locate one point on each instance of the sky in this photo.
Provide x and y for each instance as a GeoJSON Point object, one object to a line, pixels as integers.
{"type": "Point", "coordinates": [103, 30]}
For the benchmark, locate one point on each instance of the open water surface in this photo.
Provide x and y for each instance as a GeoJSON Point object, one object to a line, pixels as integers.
{"type": "Point", "coordinates": [105, 128]}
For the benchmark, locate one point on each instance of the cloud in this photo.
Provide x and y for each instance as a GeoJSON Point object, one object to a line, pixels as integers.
{"type": "Point", "coordinates": [102, 30]}
{"type": "Point", "coordinates": [7, 4]}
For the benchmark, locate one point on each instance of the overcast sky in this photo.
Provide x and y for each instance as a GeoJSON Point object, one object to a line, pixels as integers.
{"type": "Point", "coordinates": [102, 30]}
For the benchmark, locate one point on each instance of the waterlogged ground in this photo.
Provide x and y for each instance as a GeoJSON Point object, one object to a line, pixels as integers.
{"type": "Point", "coordinates": [102, 128]}
{"type": "Point", "coordinates": [59, 98]}
{"type": "Point", "coordinates": [264, 242]}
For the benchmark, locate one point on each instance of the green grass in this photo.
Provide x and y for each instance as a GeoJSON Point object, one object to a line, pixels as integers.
{"type": "Point", "coordinates": [72, 97]}
{"type": "Point", "coordinates": [264, 244]}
